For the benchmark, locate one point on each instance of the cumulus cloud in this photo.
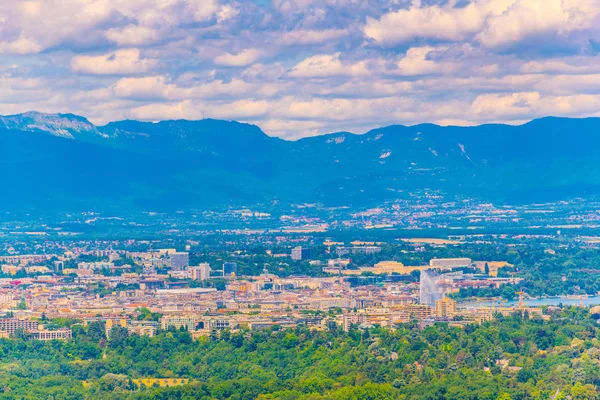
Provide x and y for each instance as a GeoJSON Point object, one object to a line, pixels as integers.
{"type": "Point", "coordinates": [167, 111]}
{"type": "Point", "coordinates": [508, 105]}
{"type": "Point", "coordinates": [529, 17]}
{"type": "Point", "coordinates": [310, 37]}
{"type": "Point", "coordinates": [492, 22]}
{"type": "Point", "coordinates": [121, 62]}
{"type": "Point", "coordinates": [241, 59]}
{"type": "Point", "coordinates": [426, 22]}
{"type": "Point", "coordinates": [328, 65]}
{"type": "Point", "coordinates": [302, 67]}
{"type": "Point", "coordinates": [132, 35]}
{"type": "Point", "coordinates": [20, 46]}
{"type": "Point", "coordinates": [417, 62]}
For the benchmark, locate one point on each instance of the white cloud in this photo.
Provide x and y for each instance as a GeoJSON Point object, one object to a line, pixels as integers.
{"type": "Point", "coordinates": [20, 46]}
{"type": "Point", "coordinates": [492, 22]}
{"type": "Point", "coordinates": [301, 67]}
{"type": "Point", "coordinates": [530, 17]}
{"type": "Point", "coordinates": [310, 37]}
{"type": "Point", "coordinates": [241, 59]}
{"type": "Point", "coordinates": [201, 10]}
{"type": "Point", "coordinates": [160, 87]}
{"type": "Point", "coordinates": [51, 23]}
{"type": "Point", "coordinates": [166, 111]}
{"type": "Point", "coordinates": [509, 105]}
{"type": "Point", "coordinates": [328, 65]}
{"type": "Point", "coordinates": [132, 35]}
{"type": "Point", "coordinates": [226, 12]}
{"type": "Point", "coordinates": [425, 22]}
{"type": "Point", "coordinates": [416, 62]}
{"type": "Point", "coordinates": [121, 62]}
{"type": "Point", "coordinates": [148, 87]}
{"type": "Point", "coordinates": [342, 109]}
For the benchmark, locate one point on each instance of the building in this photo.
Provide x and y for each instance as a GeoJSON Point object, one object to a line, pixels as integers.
{"type": "Point", "coordinates": [179, 260]}
{"type": "Point", "coordinates": [177, 322]}
{"type": "Point", "coordinates": [301, 253]}
{"type": "Point", "coordinates": [59, 334]}
{"type": "Point", "coordinates": [199, 273]}
{"type": "Point", "coordinates": [418, 311]}
{"type": "Point", "coordinates": [113, 323]}
{"type": "Point", "coordinates": [451, 263]}
{"type": "Point", "coordinates": [343, 250]}
{"type": "Point", "coordinates": [12, 325]}
{"type": "Point", "coordinates": [229, 268]}
{"type": "Point", "coordinates": [350, 319]}
{"type": "Point", "coordinates": [445, 308]}
{"type": "Point", "coordinates": [93, 266]}
{"type": "Point", "coordinates": [143, 328]}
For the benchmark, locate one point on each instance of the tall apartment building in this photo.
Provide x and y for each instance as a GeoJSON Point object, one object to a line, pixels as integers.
{"type": "Point", "coordinates": [199, 273]}
{"type": "Point", "coordinates": [301, 253]}
{"type": "Point", "coordinates": [445, 308]}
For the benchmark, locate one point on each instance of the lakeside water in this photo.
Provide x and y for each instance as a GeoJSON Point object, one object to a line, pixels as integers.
{"type": "Point", "coordinates": [554, 301]}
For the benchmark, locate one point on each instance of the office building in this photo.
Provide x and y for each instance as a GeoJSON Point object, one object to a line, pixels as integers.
{"type": "Point", "coordinates": [179, 260]}
{"type": "Point", "coordinates": [229, 268]}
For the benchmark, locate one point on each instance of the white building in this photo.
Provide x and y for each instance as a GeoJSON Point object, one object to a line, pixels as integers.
{"type": "Point", "coordinates": [199, 273]}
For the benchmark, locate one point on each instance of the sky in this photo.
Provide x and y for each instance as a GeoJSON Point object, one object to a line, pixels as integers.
{"type": "Point", "coordinates": [302, 67]}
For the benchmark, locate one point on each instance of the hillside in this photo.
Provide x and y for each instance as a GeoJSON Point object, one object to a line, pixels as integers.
{"type": "Point", "coordinates": [63, 162]}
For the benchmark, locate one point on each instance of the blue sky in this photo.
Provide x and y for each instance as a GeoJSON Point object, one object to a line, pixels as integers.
{"type": "Point", "coordinates": [302, 67]}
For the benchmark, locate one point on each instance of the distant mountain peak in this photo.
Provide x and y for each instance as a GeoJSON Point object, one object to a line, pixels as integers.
{"type": "Point", "coordinates": [63, 125]}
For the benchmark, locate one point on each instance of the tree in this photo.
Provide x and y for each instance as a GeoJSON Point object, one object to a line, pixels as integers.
{"type": "Point", "coordinates": [508, 292]}
{"type": "Point", "coordinates": [118, 336]}
{"type": "Point", "coordinates": [584, 392]}
{"type": "Point", "coordinates": [96, 331]}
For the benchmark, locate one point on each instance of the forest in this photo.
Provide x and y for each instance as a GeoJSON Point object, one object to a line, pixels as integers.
{"type": "Point", "coordinates": [513, 357]}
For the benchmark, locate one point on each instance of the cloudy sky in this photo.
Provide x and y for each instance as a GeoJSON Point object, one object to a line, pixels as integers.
{"type": "Point", "coordinates": [302, 67]}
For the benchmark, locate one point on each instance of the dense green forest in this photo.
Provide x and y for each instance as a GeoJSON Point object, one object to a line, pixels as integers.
{"type": "Point", "coordinates": [508, 358]}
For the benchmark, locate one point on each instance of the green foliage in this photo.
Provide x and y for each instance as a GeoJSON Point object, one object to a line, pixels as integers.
{"type": "Point", "coordinates": [508, 358]}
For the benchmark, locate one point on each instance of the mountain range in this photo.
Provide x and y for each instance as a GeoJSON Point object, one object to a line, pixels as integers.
{"type": "Point", "coordinates": [62, 162]}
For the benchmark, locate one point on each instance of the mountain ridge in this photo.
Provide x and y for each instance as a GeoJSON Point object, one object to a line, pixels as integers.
{"type": "Point", "coordinates": [206, 163]}
{"type": "Point", "coordinates": [5, 119]}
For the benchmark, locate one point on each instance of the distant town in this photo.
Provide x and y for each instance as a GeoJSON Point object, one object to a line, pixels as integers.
{"type": "Point", "coordinates": [148, 289]}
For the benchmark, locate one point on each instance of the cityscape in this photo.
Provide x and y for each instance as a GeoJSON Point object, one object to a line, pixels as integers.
{"type": "Point", "coordinates": [300, 199]}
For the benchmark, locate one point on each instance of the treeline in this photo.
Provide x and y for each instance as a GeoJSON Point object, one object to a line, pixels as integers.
{"type": "Point", "coordinates": [509, 358]}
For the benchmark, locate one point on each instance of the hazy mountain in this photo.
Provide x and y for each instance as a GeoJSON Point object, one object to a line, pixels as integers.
{"type": "Point", "coordinates": [63, 125]}
{"type": "Point", "coordinates": [63, 161]}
